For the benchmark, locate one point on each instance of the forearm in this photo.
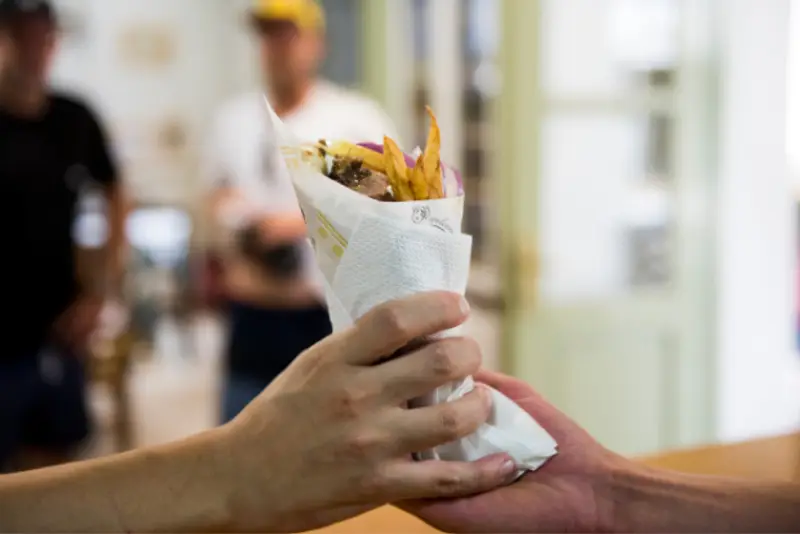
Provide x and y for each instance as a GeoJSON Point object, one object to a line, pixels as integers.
{"type": "Point", "coordinates": [117, 246]}
{"type": "Point", "coordinates": [660, 501]}
{"type": "Point", "coordinates": [175, 488]}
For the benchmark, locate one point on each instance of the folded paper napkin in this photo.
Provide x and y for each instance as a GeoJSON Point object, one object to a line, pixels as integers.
{"type": "Point", "coordinates": [372, 252]}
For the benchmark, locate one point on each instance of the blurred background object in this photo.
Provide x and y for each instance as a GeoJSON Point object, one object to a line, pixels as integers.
{"type": "Point", "coordinates": [275, 301]}
{"type": "Point", "coordinates": [65, 214]}
{"type": "Point", "coordinates": [631, 177]}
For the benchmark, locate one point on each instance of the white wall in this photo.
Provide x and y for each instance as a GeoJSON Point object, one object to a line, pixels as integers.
{"type": "Point", "coordinates": [138, 101]}
{"type": "Point", "coordinates": [759, 393]}
{"type": "Point", "coordinates": [793, 126]}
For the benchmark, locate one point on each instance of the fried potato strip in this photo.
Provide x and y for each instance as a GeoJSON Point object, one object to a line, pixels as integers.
{"type": "Point", "coordinates": [431, 159]}
{"type": "Point", "coordinates": [397, 171]}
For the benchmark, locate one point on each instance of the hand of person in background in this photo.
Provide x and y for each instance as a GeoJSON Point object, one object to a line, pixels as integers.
{"type": "Point", "coordinates": [570, 493]}
{"type": "Point", "coordinates": [5, 48]}
{"type": "Point", "coordinates": [276, 244]}
{"type": "Point", "coordinates": [76, 325]}
{"type": "Point", "coordinates": [287, 228]}
{"type": "Point", "coordinates": [331, 438]}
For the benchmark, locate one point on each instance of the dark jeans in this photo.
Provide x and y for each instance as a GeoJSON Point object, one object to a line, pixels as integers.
{"type": "Point", "coordinates": [237, 392]}
{"type": "Point", "coordinates": [262, 343]}
{"type": "Point", "coordinates": [42, 404]}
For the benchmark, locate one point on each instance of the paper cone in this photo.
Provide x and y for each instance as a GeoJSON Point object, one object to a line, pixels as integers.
{"type": "Point", "coordinates": [372, 252]}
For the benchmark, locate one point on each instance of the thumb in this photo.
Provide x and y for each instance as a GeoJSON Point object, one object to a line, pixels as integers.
{"type": "Point", "coordinates": [527, 398]}
{"type": "Point", "coordinates": [511, 387]}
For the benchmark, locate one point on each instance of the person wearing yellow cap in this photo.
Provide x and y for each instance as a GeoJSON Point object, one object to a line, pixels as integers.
{"type": "Point", "coordinates": [269, 278]}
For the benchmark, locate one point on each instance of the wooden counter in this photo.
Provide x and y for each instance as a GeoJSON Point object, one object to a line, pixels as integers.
{"type": "Point", "coordinates": [766, 459]}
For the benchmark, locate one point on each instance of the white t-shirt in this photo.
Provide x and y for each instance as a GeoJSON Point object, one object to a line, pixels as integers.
{"type": "Point", "coordinates": [241, 154]}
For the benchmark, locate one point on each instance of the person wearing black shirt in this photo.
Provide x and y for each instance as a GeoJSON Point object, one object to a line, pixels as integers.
{"type": "Point", "coordinates": [52, 148]}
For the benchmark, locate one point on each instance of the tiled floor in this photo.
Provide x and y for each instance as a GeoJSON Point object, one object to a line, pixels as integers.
{"type": "Point", "coordinates": [174, 395]}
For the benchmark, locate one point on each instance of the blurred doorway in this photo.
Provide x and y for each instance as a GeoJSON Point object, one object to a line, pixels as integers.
{"type": "Point", "coordinates": [606, 130]}
{"type": "Point", "coordinates": [455, 71]}
{"type": "Point", "coordinates": [159, 285]}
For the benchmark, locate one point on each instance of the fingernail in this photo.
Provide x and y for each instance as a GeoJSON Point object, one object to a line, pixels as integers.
{"type": "Point", "coordinates": [464, 305]}
{"type": "Point", "coordinates": [485, 394]}
{"type": "Point", "coordinates": [508, 469]}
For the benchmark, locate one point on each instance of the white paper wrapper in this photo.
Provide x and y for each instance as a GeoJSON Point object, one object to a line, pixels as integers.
{"type": "Point", "coordinates": [372, 252]}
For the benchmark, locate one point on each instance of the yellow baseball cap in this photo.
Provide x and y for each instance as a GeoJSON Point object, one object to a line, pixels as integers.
{"type": "Point", "coordinates": [305, 14]}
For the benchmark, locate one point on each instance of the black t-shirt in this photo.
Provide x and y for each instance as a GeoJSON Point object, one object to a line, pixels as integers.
{"type": "Point", "coordinates": [44, 165]}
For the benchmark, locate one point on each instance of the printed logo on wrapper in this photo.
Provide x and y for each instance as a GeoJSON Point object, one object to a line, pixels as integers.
{"type": "Point", "coordinates": [422, 214]}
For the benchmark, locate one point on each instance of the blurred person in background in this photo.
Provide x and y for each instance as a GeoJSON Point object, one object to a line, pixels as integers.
{"type": "Point", "coordinates": [269, 275]}
{"type": "Point", "coordinates": [51, 148]}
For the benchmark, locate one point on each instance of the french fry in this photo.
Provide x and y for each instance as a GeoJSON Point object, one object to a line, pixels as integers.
{"type": "Point", "coordinates": [418, 183]}
{"type": "Point", "coordinates": [431, 159]}
{"type": "Point", "coordinates": [397, 171]}
{"type": "Point", "coordinates": [383, 173]}
{"type": "Point", "coordinates": [371, 160]}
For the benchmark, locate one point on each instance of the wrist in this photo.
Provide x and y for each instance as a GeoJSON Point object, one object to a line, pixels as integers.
{"type": "Point", "coordinates": [244, 496]}
{"type": "Point", "coordinates": [213, 482]}
{"type": "Point", "coordinates": [648, 500]}
{"type": "Point", "coordinates": [626, 476]}
{"type": "Point", "coordinates": [611, 512]}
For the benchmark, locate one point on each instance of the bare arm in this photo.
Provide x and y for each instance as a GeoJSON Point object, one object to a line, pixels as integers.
{"type": "Point", "coordinates": [117, 246]}
{"type": "Point", "coordinates": [106, 173]}
{"type": "Point", "coordinates": [272, 471]}
{"type": "Point", "coordinates": [174, 488]}
{"type": "Point", "coordinates": [662, 501]}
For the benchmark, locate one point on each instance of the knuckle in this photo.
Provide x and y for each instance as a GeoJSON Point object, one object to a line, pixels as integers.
{"type": "Point", "coordinates": [362, 446]}
{"type": "Point", "coordinates": [450, 423]}
{"type": "Point", "coordinates": [455, 358]}
{"type": "Point", "coordinates": [442, 360]}
{"type": "Point", "coordinates": [449, 482]}
{"type": "Point", "coordinates": [348, 402]}
{"type": "Point", "coordinates": [394, 324]}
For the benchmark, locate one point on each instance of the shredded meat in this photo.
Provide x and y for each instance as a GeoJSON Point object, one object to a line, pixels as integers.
{"type": "Point", "coordinates": [352, 174]}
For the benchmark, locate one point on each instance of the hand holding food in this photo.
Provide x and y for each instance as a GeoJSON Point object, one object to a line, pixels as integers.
{"type": "Point", "coordinates": [331, 437]}
{"type": "Point", "coordinates": [385, 225]}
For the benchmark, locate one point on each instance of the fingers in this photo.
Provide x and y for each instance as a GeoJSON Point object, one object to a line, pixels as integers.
{"type": "Point", "coordinates": [547, 415]}
{"type": "Point", "coordinates": [443, 479]}
{"type": "Point", "coordinates": [429, 367]}
{"type": "Point", "coordinates": [424, 428]}
{"type": "Point", "coordinates": [511, 387]}
{"type": "Point", "coordinates": [390, 327]}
